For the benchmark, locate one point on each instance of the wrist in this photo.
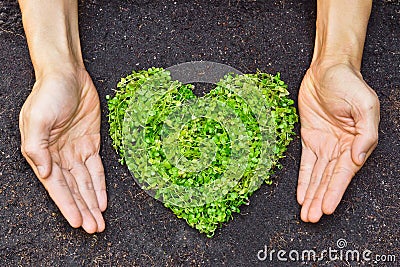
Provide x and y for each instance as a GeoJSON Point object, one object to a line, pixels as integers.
{"type": "Point", "coordinates": [52, 33]}
{"type": "Point", "coordinates": [333, 49]}
{"type": "Point", "coordinates": [340, 31]}
{"type": "Point", "coordinates": [61, 68]}
{"type": "Point", "coordinates": [322, 63]}
{"type": "Point", "coordinates": [56, 52]}
{"type": "Point", "coordinates": [57, 64]}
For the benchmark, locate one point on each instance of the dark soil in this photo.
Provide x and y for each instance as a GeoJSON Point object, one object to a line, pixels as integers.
{"type": "Point", "coordinates": [118, 36]}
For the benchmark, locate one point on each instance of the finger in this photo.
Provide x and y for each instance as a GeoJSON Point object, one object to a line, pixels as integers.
{"type": "Point", "coordinates": [88, 221]}
{"type": "Point", "coordinates": [316, 177]}
{"type": "Point", "coordinates": [367, 122]}
{"type": "Point", "coordinates": [315, 211]}
{"type": "Point", "coordinates": [362, 146]}
{"type": "Point", "coordinates": [96, 170]}
{"type": "Point", "coordinates": [307, 163]}
{"type": "Point", "coordinates": [59, 191]}
{"type": "Point", "coordinates": [344, 171]}
{"type": "Point", "coordinates": [34, 143]}
{"type": "Point", "coordinates": [86, 189]}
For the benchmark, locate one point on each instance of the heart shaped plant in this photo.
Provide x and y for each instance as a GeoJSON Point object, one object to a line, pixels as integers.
{"type": "Point", "coordinates": [203, 157]}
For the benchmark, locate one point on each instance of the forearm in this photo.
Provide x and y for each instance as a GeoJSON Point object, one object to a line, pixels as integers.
{"type": "Point", "coordinates": [341, 30]}
{"type": "Point", "coordinates": [51, 28]}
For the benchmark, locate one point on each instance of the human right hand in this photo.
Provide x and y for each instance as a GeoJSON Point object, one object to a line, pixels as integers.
{"type": "Point", "coordinates": [339, 116]}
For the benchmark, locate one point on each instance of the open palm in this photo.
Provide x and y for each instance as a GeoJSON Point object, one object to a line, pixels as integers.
{"type": "Point", "coordinates": [60, 134]}
{"type": "Point", "coordinates": [339, 116]}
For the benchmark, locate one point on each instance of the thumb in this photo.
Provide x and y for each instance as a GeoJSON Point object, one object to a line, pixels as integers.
{"type": "Point", "coordinates": [38, 158]}
{"type": "Point", "coordinates": [362, 147]}
{"type": "Point", "coordinates": [367, 134]}
{"type": "Point", "coordinates": [34, 145]}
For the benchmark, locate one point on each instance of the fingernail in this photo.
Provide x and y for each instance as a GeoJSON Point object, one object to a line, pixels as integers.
{"type": "Point", "coordinates": [361, 157]}
{"type": "Point", "coordinates": [41, 171]}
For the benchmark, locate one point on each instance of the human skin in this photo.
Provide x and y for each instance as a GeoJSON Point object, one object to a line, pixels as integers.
{"type": "Point", "coordinates": [339, 112]}
{"type": "Point", "coordinates": [60, 120]}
